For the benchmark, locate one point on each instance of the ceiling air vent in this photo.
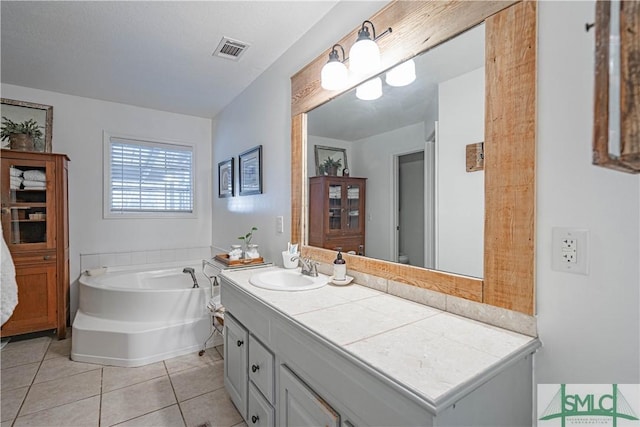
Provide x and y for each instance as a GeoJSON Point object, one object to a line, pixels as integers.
{"type": "Point", "coordinates": [230, 49]}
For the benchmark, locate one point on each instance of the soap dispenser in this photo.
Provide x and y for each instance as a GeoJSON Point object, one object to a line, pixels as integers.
{"type": "Point", "coordinates": [339, 267]}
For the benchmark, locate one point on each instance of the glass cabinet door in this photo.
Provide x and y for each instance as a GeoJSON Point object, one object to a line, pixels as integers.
{"type": "Point", "coordinates": [353, 207]}
{"type": "Point", "coordinates": [336, 208]}
{"type": "Point", "coordinates": [25, 197]}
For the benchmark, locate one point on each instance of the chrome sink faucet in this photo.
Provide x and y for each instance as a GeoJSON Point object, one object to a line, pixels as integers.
{"type": "Point", "coordinates": [192, 272]}
{"type": "Point", "coordinates": [309, 266]}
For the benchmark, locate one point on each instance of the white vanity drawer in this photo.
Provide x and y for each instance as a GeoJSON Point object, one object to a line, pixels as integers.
{"type": "Point", "coordinates": [261, 413]}
{"type": "Point", "coordinates": [261, 368]}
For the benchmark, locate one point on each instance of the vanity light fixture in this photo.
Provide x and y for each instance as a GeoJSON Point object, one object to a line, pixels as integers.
{"type": "Point", "coordinates": [334, 74]}
{"type": "Point", "coordinates": [364, 56]}
{"type": "Point", "coordinates": [370, 90]}
{"type": "Point", "coordinates": [402, 75]}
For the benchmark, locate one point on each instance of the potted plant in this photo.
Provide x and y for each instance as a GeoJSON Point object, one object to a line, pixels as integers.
{"type": "Point", "coordinates": [22, 135]}
{"type": "Point", "coordinates": [331, 166]}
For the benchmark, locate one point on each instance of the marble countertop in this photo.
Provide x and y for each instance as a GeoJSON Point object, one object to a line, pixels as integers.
{"type": "Point", "coordinates": [434, 353]}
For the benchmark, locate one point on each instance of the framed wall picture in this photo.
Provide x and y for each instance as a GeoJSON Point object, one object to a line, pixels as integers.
{"type": "Point", "coordinates": [225, 179]}
{"type": "Point", "coordinates": [330, 161]}
{"type": "Point", "coordinates": [250, 168]}
{"type": "Point", "coordinates": [37, 118]}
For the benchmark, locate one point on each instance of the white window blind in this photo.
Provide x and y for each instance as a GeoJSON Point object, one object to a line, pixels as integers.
{"type": "Point", "coordinates": [148, 177]}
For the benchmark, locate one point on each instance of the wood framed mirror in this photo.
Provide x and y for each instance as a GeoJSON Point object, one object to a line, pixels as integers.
{"type": "Point", "coordinates": [510, 126]}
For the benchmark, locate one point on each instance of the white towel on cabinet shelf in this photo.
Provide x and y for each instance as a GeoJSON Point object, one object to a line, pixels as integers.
{"type": "Point", "coordinates": [15, 171]}
{"type": "Point", "coordinates": [8, 285]}
{"type": "Point", "coordinates": [34, 175]}
{"type": "Point", "coordinates": [16, 182]}
{"type": "Point", "coordinates": [34, 184]}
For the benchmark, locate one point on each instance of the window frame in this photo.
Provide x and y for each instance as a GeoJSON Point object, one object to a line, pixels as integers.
{"type": "Point", "coordinates": [106, 178]}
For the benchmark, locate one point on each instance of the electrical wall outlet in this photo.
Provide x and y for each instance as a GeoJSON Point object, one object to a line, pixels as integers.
{"type": "Point", "coordinates": [279, 224]}
{"type": "Point", "coordinates": [570, 250]}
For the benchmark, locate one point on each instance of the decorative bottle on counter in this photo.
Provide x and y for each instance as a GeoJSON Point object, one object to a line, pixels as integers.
{"type": "Point", "coordinates": [339, 268]}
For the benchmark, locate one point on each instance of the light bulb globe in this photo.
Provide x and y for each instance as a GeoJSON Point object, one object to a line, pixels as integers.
{"type": "Point", "coordinates": [334, 76]}
{"type": "Point", "coordinates": [402, 74]}
{"type": "Point", "coordinates": [370, 90]}
{"type": "Point", "coordinates": [364, 57]}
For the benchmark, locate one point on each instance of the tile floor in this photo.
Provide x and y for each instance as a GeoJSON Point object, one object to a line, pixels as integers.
{"type": "Point", "coordinates": [41, 386]}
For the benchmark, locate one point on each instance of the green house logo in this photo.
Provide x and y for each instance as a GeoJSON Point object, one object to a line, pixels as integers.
{"type": "Point", "coordinates": [590, 405]}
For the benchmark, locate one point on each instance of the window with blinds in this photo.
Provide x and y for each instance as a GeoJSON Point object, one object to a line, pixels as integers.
{"type": "Point", "coordinates": [149, 177]}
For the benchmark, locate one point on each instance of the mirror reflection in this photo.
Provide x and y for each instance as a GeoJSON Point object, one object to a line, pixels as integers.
{"type": "Point", "coordinates": [416, 203]}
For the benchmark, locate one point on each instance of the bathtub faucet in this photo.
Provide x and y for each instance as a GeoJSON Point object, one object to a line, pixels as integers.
{"type": "Point", "coordinates": [192, 272]}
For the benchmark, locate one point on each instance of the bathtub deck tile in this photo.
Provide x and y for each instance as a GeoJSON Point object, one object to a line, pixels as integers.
{"type": "Point", "coordinates": [114, 377]}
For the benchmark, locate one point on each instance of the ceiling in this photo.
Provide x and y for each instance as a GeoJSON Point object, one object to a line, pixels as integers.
{"type": "Point", "coordinates": [348, 118]}
{"type": "Point", "coordinates": [154, 54]}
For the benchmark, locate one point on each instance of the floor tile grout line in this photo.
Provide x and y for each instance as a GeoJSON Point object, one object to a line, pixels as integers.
{"type": "Point", "coordinates": [101, 394]}
{"type": "Point", "coordinates": [141, 415]}
{"type": "Point", "coordinates": [53, 407]}
{"type": "Point", "coordinates": [184, 420]}
{"type": "Point", "coordinates": [24, 399]}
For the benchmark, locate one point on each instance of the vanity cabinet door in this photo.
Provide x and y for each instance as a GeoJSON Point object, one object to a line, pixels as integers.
{"type": "Point", "coordinates": [261, 367]}
{"type": "Point", "coordinates": [300, 406]}
{"type": "Point", "coordinates": [260, 413]}
{"type": "Point", "coordinates": [236, 351]}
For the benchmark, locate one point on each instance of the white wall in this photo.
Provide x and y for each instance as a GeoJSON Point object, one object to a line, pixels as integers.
{"type": "Point", "coordinates": [459, 194]}
{"type": "Point", "coordinates": [589, 325]}
{"type": "Point", "coordinates": [261, 115]}
{"type": "Point", "coordinates": [373, 159]}
{"type": "Point", "coordinates": [78, 124]}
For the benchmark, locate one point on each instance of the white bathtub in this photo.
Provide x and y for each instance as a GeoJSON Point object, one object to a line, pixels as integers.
{"type": "Point", "coordinates": [135, 317]}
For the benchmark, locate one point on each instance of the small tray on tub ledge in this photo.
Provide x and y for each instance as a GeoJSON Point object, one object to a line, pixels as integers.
{"type": "Point", "coordinates": [224, 258]}
{"type": "Point", "coordinates": [344, 282]}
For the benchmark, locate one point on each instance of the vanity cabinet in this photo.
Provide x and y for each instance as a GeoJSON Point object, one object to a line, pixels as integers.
{"type": "Point", "coordinates": [311, 380]}
{"type": "Point", "coordinates": [337, 213]}
{"type": "Point", "coordinates": [248, 374]}
{"type": "Point", "coordinates": [35, 225]}
{"type": "Point", "coordinates": [236, 355]}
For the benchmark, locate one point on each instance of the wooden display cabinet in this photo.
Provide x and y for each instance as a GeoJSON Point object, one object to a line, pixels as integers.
{"type": "Point", "coordinates": [35, 225]}
{"type": "Point", "coordinates": [337, 213]}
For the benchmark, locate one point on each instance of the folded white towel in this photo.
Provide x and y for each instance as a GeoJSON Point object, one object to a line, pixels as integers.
{"type": "Point", "coordinates": [15, 171]}
{"type": "Point", "coordinates": [8, 285]}
{"type": "Point", "coordinates": [34, 175]}
{"type": "Point", "coordinates": [16, 183]}
{"type": "Point", "coordinates": [34, 184]}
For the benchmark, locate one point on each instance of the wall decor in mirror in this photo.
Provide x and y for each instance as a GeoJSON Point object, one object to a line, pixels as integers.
{"type": "Point", "coordinates": [330, 161]}
{"type": "Point", "coordinates": [616, 132]}
{"type": "Point", "coordinates": [26, 126]}
{"type": "Point", "coordinates": [250, 165]}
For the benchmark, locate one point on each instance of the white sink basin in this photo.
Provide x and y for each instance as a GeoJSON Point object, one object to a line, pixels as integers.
{"type": "Point", "coordinates": [287, 280]}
